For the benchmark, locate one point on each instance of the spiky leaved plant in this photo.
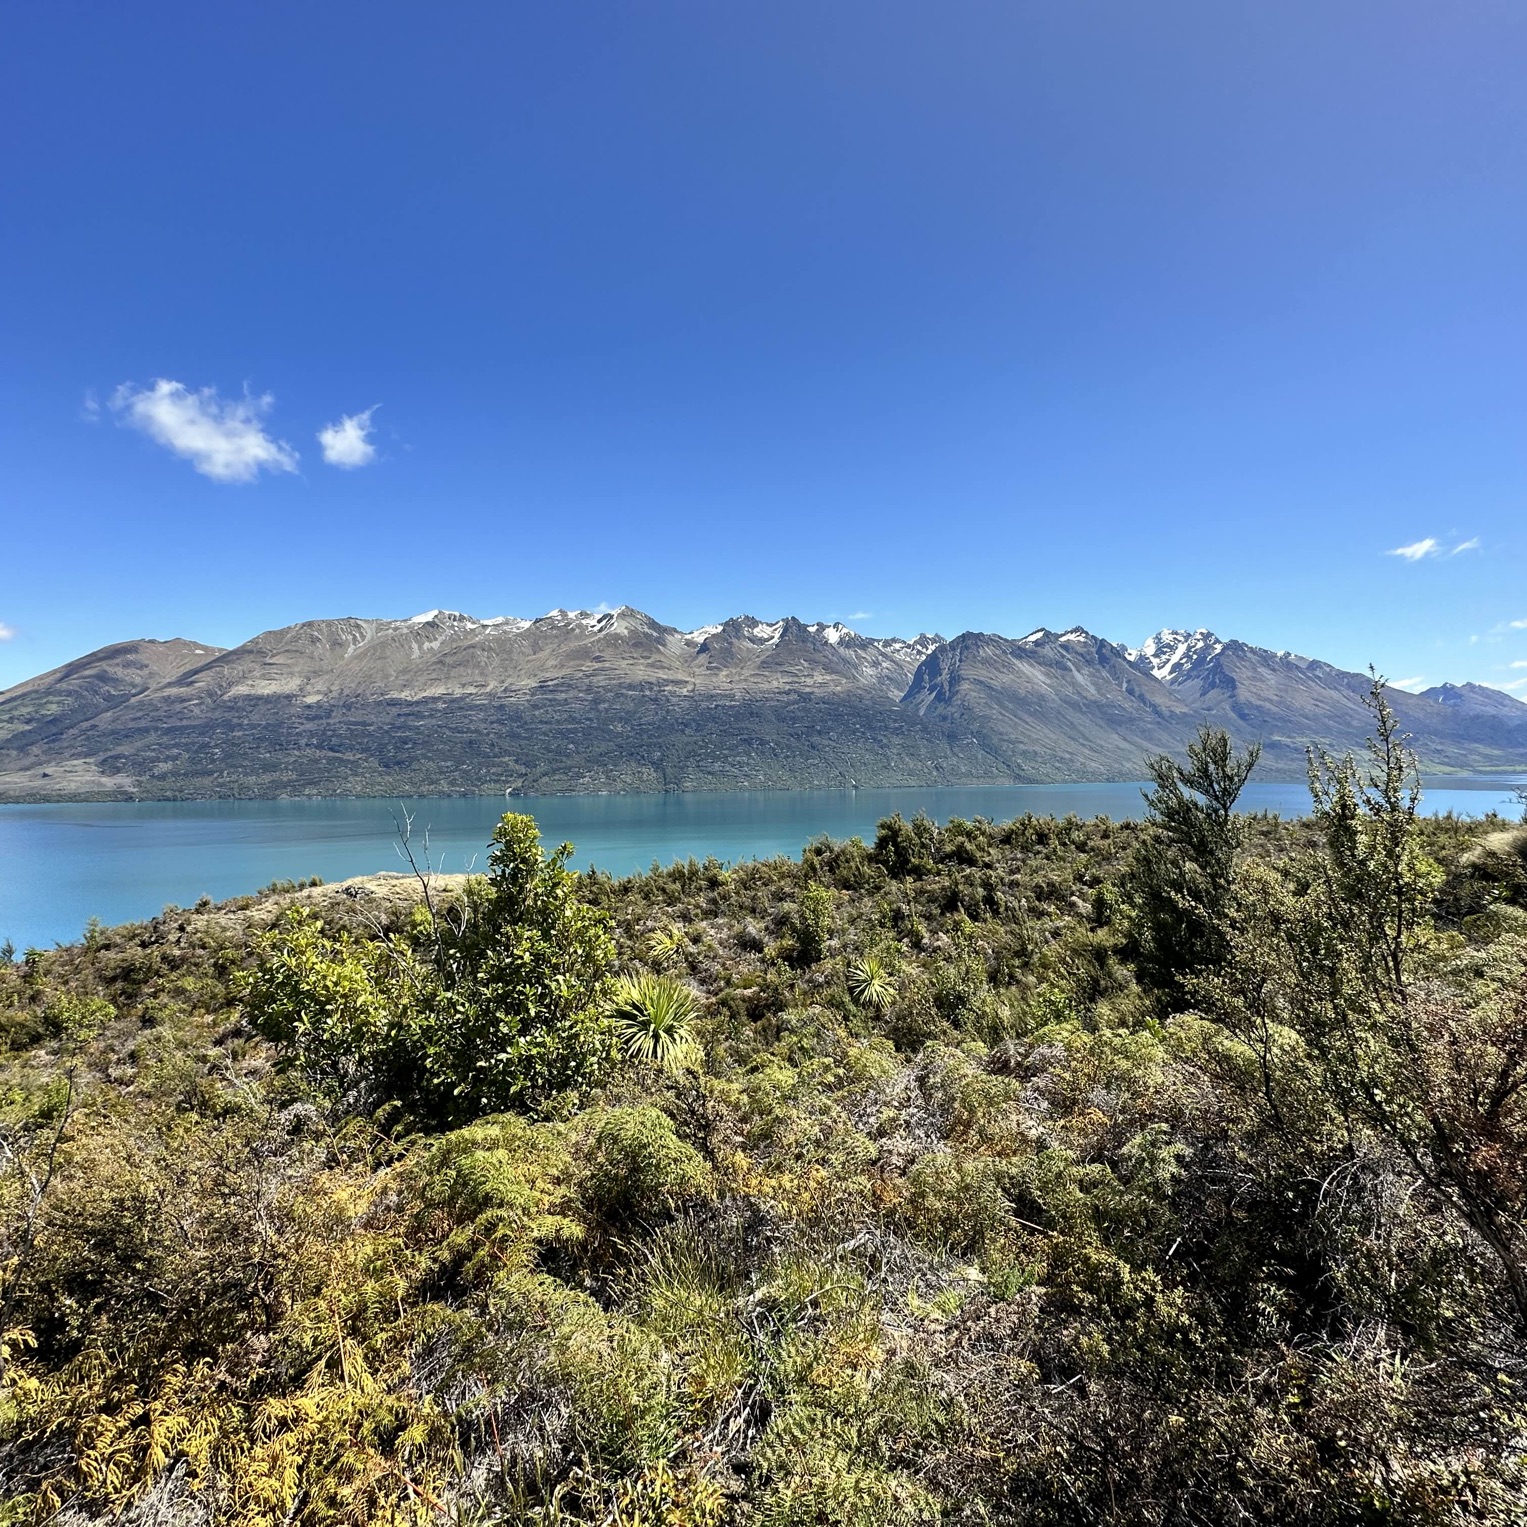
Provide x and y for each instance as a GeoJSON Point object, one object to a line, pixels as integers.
{"type": "Point", "coordinates": [664, 944]}
{"type": "Point", "coordinates": [654, 1018]}
{"type": "Point", "coordinates": [871, 984]}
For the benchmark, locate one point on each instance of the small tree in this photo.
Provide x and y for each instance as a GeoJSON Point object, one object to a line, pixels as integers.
{"type": "Point", "coordinates": [905, 849]}
{"type": "Point", "coordinates": [518, 1005]}
{"type": "Point", "coordinates": [494, 1004]}
{"type": "Point", "coordinates": [1181, 878]}
{"type": "Point", "coordinates": [1374, 883]}
{"type": "Point", "coordinates": [1337, 964]}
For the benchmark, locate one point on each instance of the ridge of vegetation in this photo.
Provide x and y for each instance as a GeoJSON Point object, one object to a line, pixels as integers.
{"type": "Point", "coordinates": [1044, 1172]}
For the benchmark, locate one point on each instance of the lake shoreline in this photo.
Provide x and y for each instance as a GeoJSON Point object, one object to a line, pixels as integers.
{"type": "Point", "coordinates": [62, 863]}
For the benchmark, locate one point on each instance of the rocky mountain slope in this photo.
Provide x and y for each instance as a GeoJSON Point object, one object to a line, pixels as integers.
{"type": "Point", "coordinates": [579, 701]}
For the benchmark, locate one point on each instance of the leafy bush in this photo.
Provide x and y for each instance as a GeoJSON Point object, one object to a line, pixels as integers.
{"type": "Point", "coordinates": [812, 924]}
{"type": "Point", "coordinates": [495, 1001]}
{"type": "Point", "coordinates": [635, 1165]}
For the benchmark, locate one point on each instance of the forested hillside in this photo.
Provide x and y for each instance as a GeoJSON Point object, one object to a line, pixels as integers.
{"type": "Point", "coordinates": [1030, 1173]}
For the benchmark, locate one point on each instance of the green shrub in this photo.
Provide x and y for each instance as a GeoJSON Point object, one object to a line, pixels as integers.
{"type": "Point", "coordinates": [635, 1166]}
{"type": "Point", "coordinates": [493, 1003]}
{"type": "Point", "coordinates": [812, 924]}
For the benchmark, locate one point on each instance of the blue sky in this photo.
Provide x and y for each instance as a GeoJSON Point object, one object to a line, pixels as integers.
{"type": "Point", "coordinates": [930, 317]}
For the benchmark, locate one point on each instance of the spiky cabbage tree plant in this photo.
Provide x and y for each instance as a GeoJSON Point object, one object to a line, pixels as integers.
{"type": "Point", "coordinates": [654, 1019]}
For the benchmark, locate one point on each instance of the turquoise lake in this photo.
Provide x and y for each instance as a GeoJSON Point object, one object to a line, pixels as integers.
{"type": "Point", "coordinates": [122, 861]}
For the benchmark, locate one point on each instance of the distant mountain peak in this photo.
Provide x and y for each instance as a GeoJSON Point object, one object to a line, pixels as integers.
{"type": "Point", "coordinates": [1168, 655]}
{"type": "Point", "coordinates": [834, 632]}
{"type": "Point", "coordinates": [429, 617]}
{"type": "Point", "coordinates": [1472, 697]}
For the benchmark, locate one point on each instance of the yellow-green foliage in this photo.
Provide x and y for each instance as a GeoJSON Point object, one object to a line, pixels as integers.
{"type": "Point", "coordinates": [950, 1215]}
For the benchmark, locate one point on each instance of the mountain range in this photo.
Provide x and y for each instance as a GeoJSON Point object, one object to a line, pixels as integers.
{"type": "Point", "coordinates": [610, 701]}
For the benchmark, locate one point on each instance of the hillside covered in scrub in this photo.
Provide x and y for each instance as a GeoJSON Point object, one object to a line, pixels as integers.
{"type": "Point", "coordinates": [1030, 1173]}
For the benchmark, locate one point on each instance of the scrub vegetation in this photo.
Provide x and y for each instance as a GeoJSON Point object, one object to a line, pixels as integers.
{"type": "Point", "coordinates": [1035, 1173]}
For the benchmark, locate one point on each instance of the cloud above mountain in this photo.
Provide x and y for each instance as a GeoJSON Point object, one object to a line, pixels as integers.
{"type": "Point", "coordinates": [223, 438]}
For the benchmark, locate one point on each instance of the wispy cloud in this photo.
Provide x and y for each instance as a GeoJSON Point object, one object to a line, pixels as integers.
{"type": "Point", "coordinates": [1513, 686]}
{"type": "Point", "coordinates": [223, 438]}
{"type": "Point", "coordinates": [862, 615]}
{"type": "Point", "coordinates": [1418, 551]}
{"type": "Point", "coordinates": [1414, 683]}
{"type": "Point", "coordinates": [1516, 625]}
{"type": "Point", "coordinates": [345, 444]}
{"type": "Point", "coordinates": [1521, 663]}
{"type": "Point", "coordinates": [6, 632]}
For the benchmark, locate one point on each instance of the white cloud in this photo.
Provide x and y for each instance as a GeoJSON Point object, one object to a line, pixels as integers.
{"type": "Point", "coordinates": [1516, 625]}
{"type": "Point", "coordinates": [1416, 550]}
{"type": "Point", "coordinates": [1520, 664]}
{"type": "Point", "coordinates": [1472, 544]}
{"type": "Point", "coordinates": [1412, 684]}
{"type": "Point", "coordinates": [861, 615]}
{"type": "Point", "coordinates": [223, 438]}
{"type": "Point", "coordinates": [1514, 685]}
{"type": "Point", "coordinates": [345, 444]}
{"type": "Point", "coordinates": [6, 632]}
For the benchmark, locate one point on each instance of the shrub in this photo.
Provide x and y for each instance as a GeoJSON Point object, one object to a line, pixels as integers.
{"type": "Point", "coordinates": [635, 1166]}
{"type": "Point", "coordinates": [812, 924]}
{"type": "Point", "coordinates": [491, 1004]}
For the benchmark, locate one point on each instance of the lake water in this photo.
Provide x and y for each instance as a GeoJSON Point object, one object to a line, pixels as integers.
{"type": "Point", "coordinates": [123, 861]}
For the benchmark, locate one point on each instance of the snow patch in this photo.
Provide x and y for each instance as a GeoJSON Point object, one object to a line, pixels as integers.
{"type": "Point", "coordinates": [588, 620]}
{"type": "Point", "coordinates": [768, 633]}
{"type": "Point", "coordinates": [833, 633]}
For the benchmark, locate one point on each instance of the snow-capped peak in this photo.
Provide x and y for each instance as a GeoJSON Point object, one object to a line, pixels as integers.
{"type": "Point", "coordinates": [433, 615]}
{"type": "Point", "coordinates": [833, 633]}
{"type": "Point", "coordinates": [1168, 654]}
{"type": "Point", "coordinates": [589, 620]}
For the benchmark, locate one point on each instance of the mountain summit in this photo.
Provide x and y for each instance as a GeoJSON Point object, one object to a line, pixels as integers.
{"type": "Point", "coordinates": [592, 700]}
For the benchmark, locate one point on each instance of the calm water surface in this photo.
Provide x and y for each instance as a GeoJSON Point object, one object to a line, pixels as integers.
{"type": "Point", "coordinates": [121, 861]}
